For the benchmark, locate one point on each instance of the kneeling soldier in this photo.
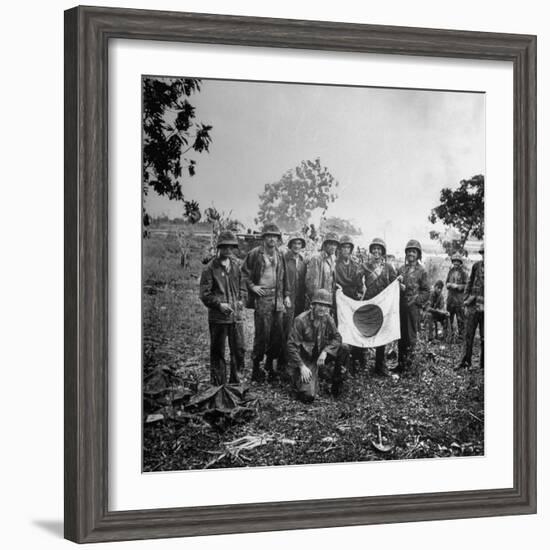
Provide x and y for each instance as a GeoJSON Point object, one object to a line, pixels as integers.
{"type": "Point", "coordinates": [315, 349]}
{"type": "Point", "coordinates": [223, 292]}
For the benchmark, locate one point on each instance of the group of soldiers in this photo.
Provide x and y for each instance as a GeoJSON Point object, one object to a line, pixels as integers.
{"type": "Point", "coordinates": [296, 335]}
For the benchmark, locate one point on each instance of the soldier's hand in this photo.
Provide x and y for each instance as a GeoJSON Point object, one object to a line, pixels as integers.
{"type": "Point", "coordinates": [400, 278]}
{"type": "Point", "coordinates": [321, 359]}
{"type": "Point", "coordinates": [226, 309]}
{"type": "Point", "coordinates": [258, 290]}
{"type": "Point", "coordinates": [287, 303]}
{"type": "Point", "coordinates": [305, 374]}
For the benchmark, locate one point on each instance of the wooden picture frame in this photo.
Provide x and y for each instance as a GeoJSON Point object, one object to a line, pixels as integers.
{"type": "Point", "coordinates": [87, 34]}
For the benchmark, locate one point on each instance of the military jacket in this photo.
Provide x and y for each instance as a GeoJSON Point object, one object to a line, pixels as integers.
{"type": "Point", "coordinates": [220, 285]}
{"type": "Point", "coordinates": [415, 280]}
{"type": "Point", "coordinates": [309, 337]}
{"type": "Point", "coordinates": [378, 275]}
{"type": "Point", "coordinates": [350, 277]}
{"type": "Point", "coordinates": [296, 267]}
{"type": "Point", "coordinates": [457, 276]}
{"type": "Point", "coordinates": [252, 270]}
{"type": "Point", "coordinates": [320, 273]}
{"type": "Point", "coordinates": [476, 285]}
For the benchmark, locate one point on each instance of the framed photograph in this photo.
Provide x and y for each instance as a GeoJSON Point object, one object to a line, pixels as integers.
{"type": "Point", "coordinates": [279, 308]}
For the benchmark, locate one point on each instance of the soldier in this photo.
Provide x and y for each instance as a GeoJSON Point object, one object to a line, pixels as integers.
{"type": "Point", "coordinates": [296, 267]}
{"type": "Point", "coordinates": [456, 283]}
{"type": "Point", "coordinates": [379, 273]}
{"type": "Point", "coordinates": [414, 293]}
{"type": "Point", "coordinates": [315, 349]}
{"type": "Point", "coordinates": [348, 275]}
{"type": "Point", "coordinates": [320, 268]}
{"type": "Point", "coordinates": [223, 292]}
{"type": "Point", "coordinates": [436, 313]}
{"type": "Point", "coordinates": [265, 274]}
{"type": "Point", "coordinates": [474, 300]}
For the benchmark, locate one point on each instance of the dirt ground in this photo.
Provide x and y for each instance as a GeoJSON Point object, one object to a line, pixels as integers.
{"type": "Point", "coordinates": [437, 412]}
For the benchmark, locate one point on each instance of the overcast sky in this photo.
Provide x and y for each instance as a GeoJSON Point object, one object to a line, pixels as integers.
{"type": "Point", "coordinates": [391, 150]}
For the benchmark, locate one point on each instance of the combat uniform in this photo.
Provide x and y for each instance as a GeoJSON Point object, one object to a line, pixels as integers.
{"type": "Point", "coordinates": [455, 297]}
{"type": "Point", "coordinates": [417, 291]}
{"type": "Point", "coordinates": [436, 314]}
{"type": "Point", "coordinates": [378, 275]}
{"type": "Point", "coordinates": [269, 272]}
{"type": "Point", "coordinates": [320, 274]}
{"type": "Point", "coordinates": [308, 338]}
{"type": "Point", "coordinates": [474, 300]}
{"type": "Point", "coordinates": [219, 284]}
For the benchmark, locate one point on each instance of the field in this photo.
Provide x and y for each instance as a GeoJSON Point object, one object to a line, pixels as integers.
{"type": "Point", "coordinates": [436, 412]}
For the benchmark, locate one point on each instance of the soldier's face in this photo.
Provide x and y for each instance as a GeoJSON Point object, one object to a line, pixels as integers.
{"type": "Point", "coordinates": [225, 251]}
{"type": "Point", "coordinates": [456, 263]}
{"type": "Point", "coordinates": [376, 251]}
{"type": "Point", "coordinates": [345, 250]}
{"type": "Point", "coordinates": [330, 248]}
{"type": "Point", "coordinates": [320, 310]}
{"type": "Point", "coordinates": [296, 246]}
{"type": "Point", "coordinates": [437, 290]}
{"type": "Point", "coordinates": [412, 255]}
{"type": "Point", "coordinates": [270, 241]}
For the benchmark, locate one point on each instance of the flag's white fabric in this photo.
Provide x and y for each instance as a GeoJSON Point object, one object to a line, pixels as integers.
{"type": "Point", "coordinates": [369, 323]}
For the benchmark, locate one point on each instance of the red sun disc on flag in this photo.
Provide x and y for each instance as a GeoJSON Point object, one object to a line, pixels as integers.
{"type": "Point", "coordinates": [368, 320]}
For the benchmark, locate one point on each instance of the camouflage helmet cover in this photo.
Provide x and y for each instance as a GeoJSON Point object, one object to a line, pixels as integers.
{"type": "Point", "coordinates": [271, 229]}
{"type": "Point", "coordinates": [296, 237]}
{"type": "Point", "coordinates": [330, 237]}
{"type": "Point", "coordinates": [227, 238]}
{"type": "Point", "coordinates": [413, 243]}
{"type": "Point", "coordinates": [377, 241]}
{"type": "Point", "coordinates": [322, 296]}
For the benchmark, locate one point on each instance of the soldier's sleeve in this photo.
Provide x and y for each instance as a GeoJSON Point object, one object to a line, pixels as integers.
{"type": "Point", "coordinates": [243, 290]}
{"type": "Point", "coordinates": [208, 298]}
{"type": "Point", "coordinates": [294, 342]}
{"type": "Point", "coordinates": [286, 282]}
{"type": "Point", "coordinates": [447, 279]}
{"type": "Point", "coordinates": [246, 270]}
{"type": "Point", "coordinates": [463, 279]}
{"type": "Point", "coordinates": [423, 289]}
{"type": "Point", "coordinates": [470, 282]}
{"type": "Point", "coordinates": [334, 338]}
{"type": "Point", "coordinates": [312, 276]}
{"type": "Point", "coordinates": [392, 273]}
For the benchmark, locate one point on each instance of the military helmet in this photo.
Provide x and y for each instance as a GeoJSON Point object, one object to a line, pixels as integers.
{"type": "Point", "coordinates": [296, 237]}
{"type": "Point", "coordinates": [346, 239]}
{"type": "Point", "coordinates": [330, 237]}
{"type": "Point", "coordinates": [227, 238]}
{"type": "Point", "coordinates": [456, 256]}
{"type": "Point", "coordinates": [413, 243]}
{"type": "Point", "coordinates": [271, 229]}
{"type": "Point", "coordinates": [322, 296]}
{"type": "Point", "coordinates": [380, 242]}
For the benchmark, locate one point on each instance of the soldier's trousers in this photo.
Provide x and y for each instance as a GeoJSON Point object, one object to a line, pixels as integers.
{"type": "Point", "coordinates": [433, 318]}
{"type": "Point", "coordinates": [268, 330]}
{"type": "Point", "coordinates": [234, 334]}
{"type": "Point", "coordinates": [409, 317]}
{"type": "Point", "coordinates": [333, 371]}
{"type": "Point", "coordinates": [456, 311]}
{"type": "Point", "coordinates": [474, 319]}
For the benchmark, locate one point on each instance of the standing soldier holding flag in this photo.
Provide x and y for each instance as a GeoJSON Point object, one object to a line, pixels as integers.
{"type": "Point", "coordinates": [414, 294]}
{"type": "Point", "coordinates": [378, 275]}
{"type": "Point", "coordinates": [348, 276]}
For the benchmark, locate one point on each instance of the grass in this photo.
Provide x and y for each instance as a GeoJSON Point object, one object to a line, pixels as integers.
{"type": "Point", "coordinates": [437, 412]}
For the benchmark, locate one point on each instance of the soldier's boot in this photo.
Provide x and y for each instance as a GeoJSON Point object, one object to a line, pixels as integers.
{"type": "Point", "coordinates": [380, 369]}
{"type": "Point", "coordinates": [270, 371]}
{"type": "Point", "coordinates": [258, 374]}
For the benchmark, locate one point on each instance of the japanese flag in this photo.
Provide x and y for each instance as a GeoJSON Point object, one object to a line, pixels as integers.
{"type": "Point", "coordinates": [369, 323]}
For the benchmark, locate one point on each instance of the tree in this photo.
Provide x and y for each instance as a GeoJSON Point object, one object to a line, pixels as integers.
{"type": "Point", "coordinates": [170, 132]}
{"type": "Point", "coordinates": [340, 226]}
{"type": "Point", "coordinates": [291, 201]}
{"type": "Point", "coordinates": [463, 210]}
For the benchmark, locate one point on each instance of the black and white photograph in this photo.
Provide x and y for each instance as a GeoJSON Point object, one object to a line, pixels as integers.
{"type": "Point", "coordinates": [312, 273]}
